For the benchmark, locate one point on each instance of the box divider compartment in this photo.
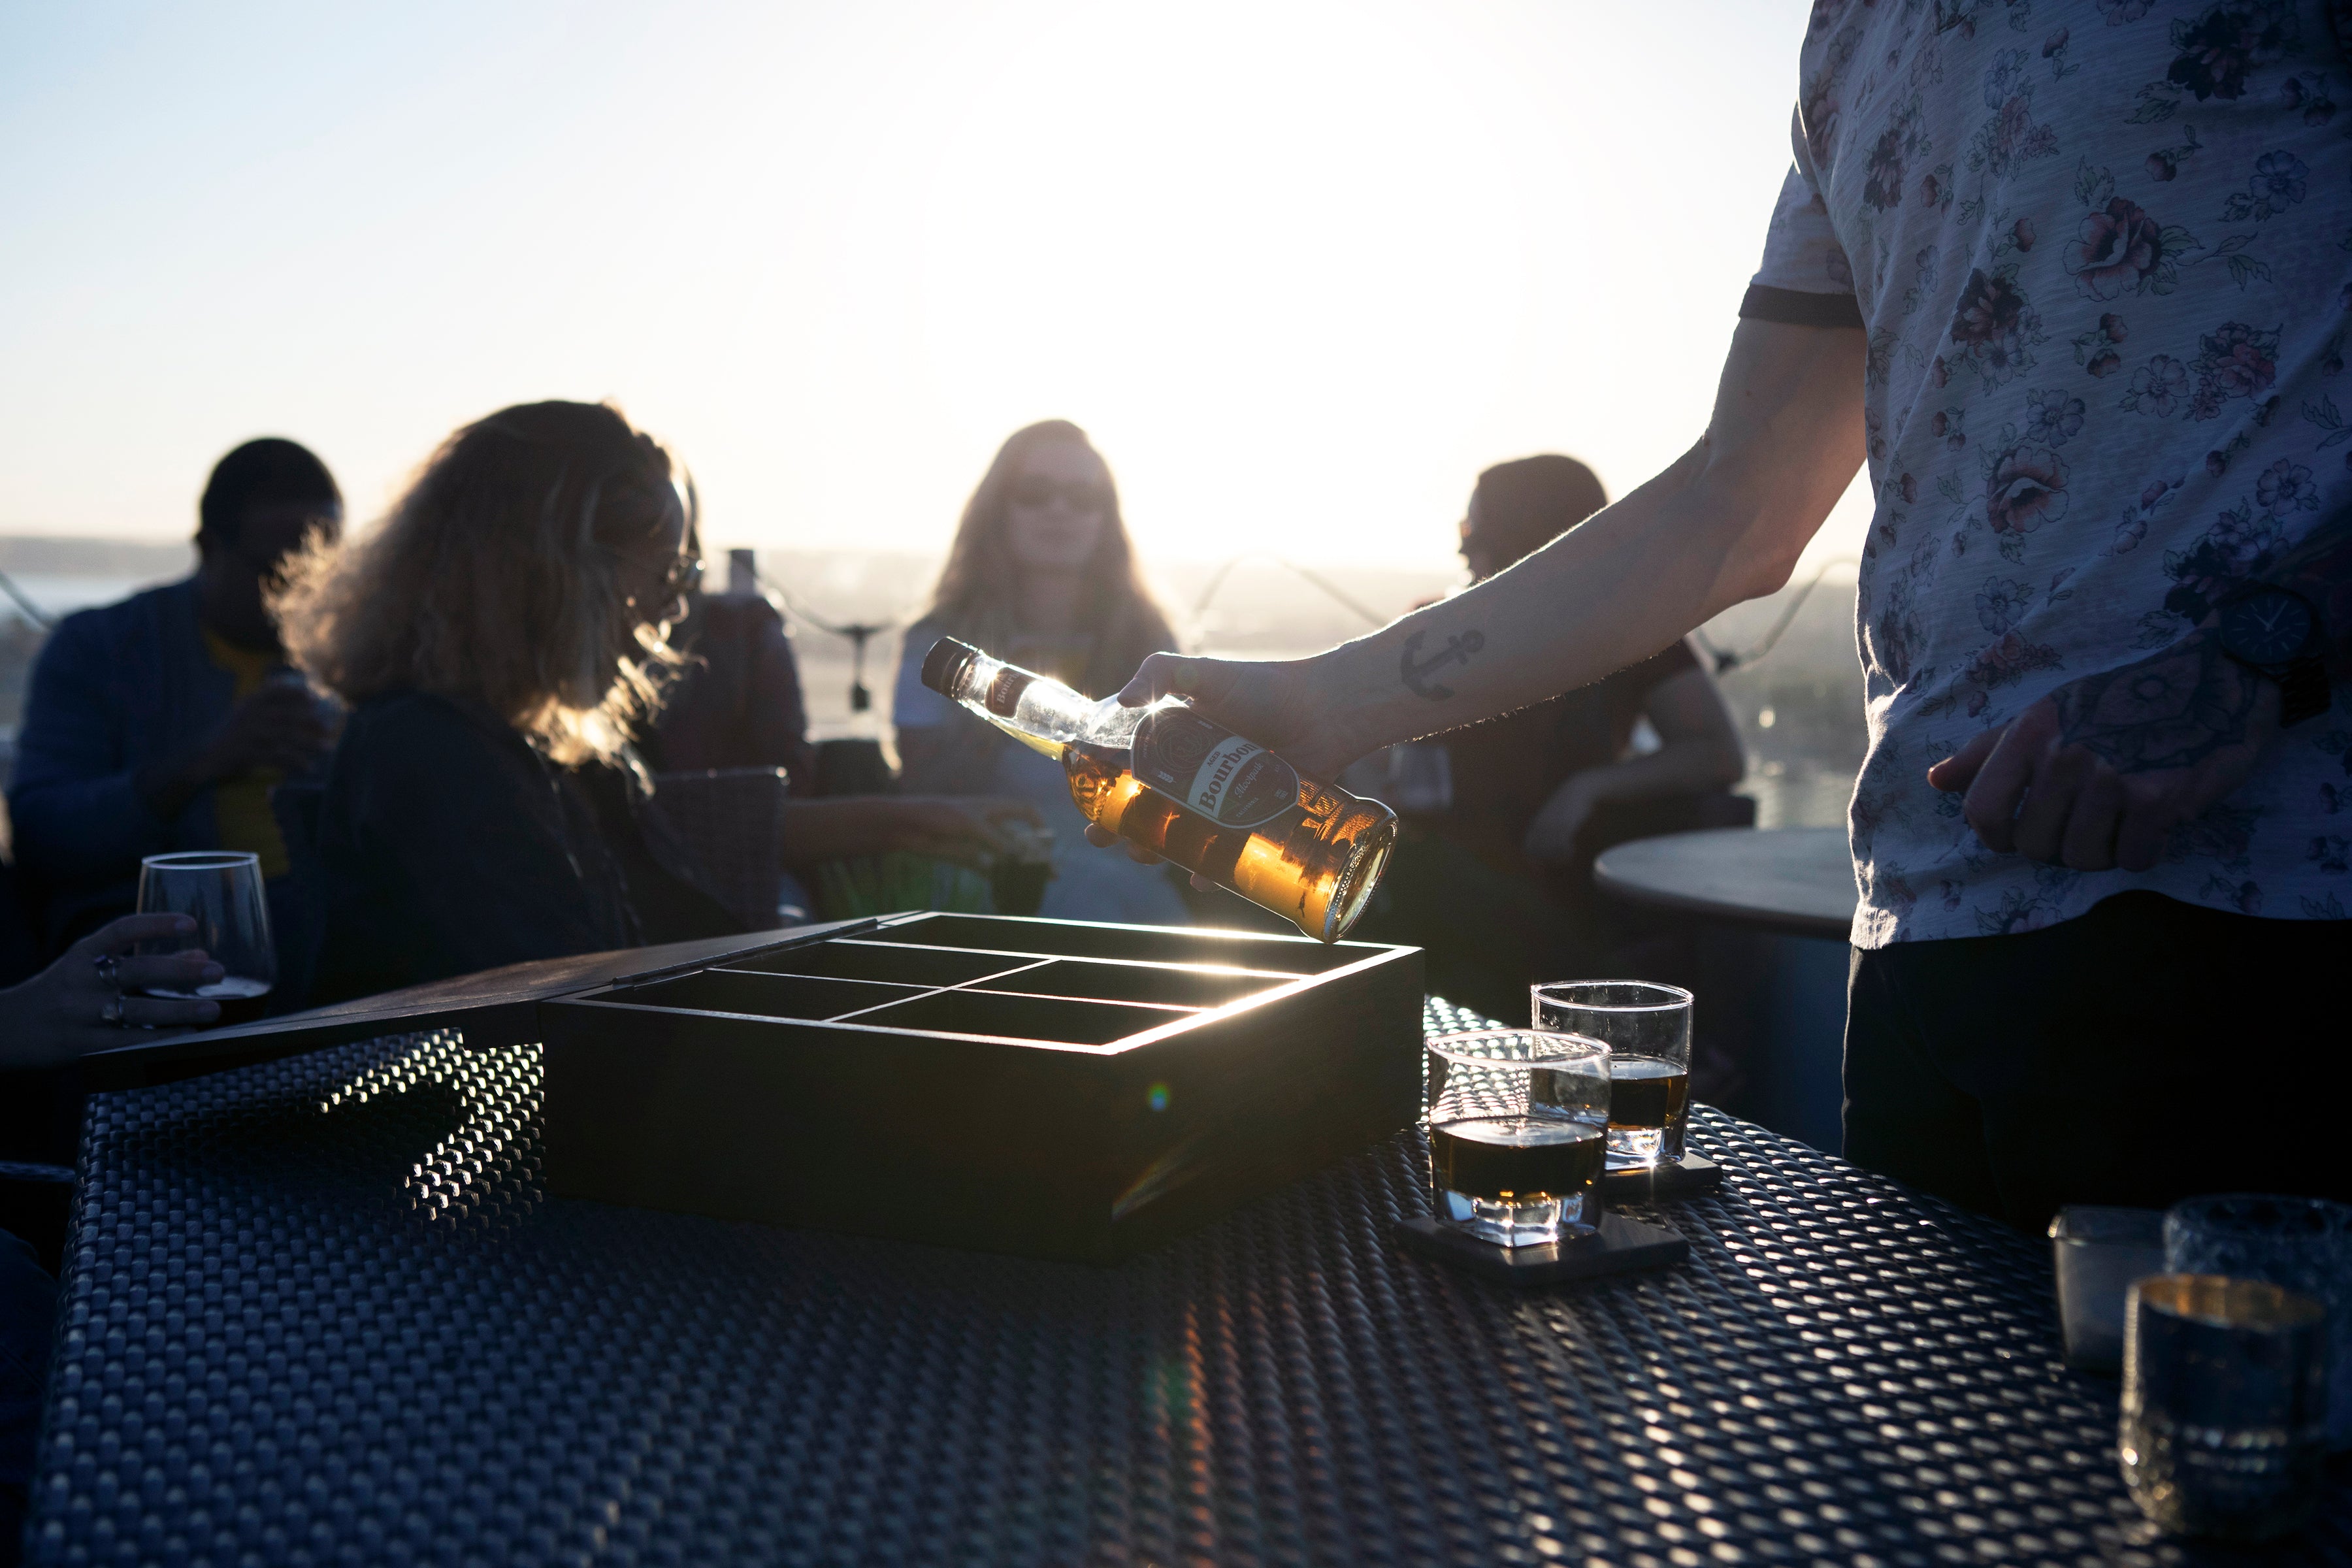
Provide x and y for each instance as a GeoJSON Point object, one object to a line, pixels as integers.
{"type": "Point", "coordinates": [1150, 945]}
{"type": "Point", "coordinates": [792, 996]}
{"type": "Point", "coordinates": [1046, 1087]}
{"type": "Point", "coordinates": [892, 964]}
{"type": "Point", "coordinates": [1065, 1020]}
{"type": "Point", "coordinates": [1159, 985]}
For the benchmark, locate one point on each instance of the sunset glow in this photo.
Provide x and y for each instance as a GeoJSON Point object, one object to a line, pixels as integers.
{"type": "Point", "coordinates": [1302, 269]}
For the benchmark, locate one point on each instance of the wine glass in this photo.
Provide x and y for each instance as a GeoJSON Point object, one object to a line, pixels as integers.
{"type": "Point", "coordinates": [221, 888]}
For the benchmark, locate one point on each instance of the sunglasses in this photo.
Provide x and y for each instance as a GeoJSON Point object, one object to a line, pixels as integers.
{"type": "Point", "coordinates": [1083, 495]}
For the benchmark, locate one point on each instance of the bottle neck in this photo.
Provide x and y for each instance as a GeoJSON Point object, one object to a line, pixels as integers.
{"type": "Point", "coordinates": [1039, 710]}
{"type": "Point", "coordinates": [1022, 702]}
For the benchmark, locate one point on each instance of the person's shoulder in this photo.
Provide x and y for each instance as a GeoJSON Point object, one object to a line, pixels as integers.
{"type": "Point", "coordinates": [913, 705]}
{"type": "Point", "coordinates": [110, 623]}
{"type": "Point", "coordinates": [744, 616]}
{"type": "Point", "coordinates": [914, 644]}
{"type": "Point", "coordinates": [402, 750]}
{"type": "Point", "coordinates": [409, 722]}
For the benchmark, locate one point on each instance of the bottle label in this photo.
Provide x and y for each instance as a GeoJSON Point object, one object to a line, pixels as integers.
{"type": "Point", "coordinates": [1003, 694]}
{"type": "Point", "coordinates": [1233, 781]}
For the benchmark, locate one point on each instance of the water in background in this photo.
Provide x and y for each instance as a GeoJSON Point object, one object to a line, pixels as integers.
{"type": "Point", "coordinates": [1799, 705]}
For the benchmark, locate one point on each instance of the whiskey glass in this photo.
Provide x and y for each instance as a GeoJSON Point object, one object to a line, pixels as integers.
{"type": "Point", "coordinates": [1518, 1134]}
{"type": "Point", "coordinates": [2224, 1416]}
{"type": "Point", "coordinates": [1647, 1029]}
{"type": "Point", "coordinates": [2299, 1244]}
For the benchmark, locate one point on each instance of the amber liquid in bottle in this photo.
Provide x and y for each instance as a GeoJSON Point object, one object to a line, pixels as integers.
{"type": "Point", "coordinates": [1210, 801]}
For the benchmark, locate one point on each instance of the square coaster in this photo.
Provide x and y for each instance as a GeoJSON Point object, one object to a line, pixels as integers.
{"type": "Point", "coordinates": [1618, 1247]}
{"type": "Point", "coordinates": [1687, 1177]}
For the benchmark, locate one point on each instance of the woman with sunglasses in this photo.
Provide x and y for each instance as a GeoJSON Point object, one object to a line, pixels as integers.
{"type": "Point", "coordinates": [1041, 573]}
{"type": "Point", "coordinates": [500, 636]}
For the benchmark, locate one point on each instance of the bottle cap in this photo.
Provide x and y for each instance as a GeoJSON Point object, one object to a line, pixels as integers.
{"type": "Point", "coordinates": [944, 663]}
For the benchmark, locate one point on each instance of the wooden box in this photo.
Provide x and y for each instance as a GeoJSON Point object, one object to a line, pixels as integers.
{"type": "Point", "coordinates": [1052, 1088]}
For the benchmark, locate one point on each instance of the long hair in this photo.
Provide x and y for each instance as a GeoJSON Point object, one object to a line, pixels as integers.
{"type": "Point", "coordinates": [498, 577]}
{"type": "Point", "coordinates": [980, 586]}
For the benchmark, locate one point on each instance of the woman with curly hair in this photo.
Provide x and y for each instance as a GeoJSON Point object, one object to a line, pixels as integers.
{"type": "Point", "coordinates": [499, 636]}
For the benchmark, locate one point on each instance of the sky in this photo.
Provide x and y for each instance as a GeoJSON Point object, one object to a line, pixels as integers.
{"type": "Point", "coordinates": [1301, 268]}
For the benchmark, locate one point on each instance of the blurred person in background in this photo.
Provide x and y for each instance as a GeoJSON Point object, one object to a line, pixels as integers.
{"type": "Point", "coordinates": [163, 723]}
{"type": "Point", "coordinates": [734, 705]}
{"type": "Point", "coordinates": [500, 636]}
{"type": "Point", "coordinates": [1492, 875]}
{"type": "Point", "coordinates": [735, 702]}
{"type": "Point", "coordinates": [1042, 573]}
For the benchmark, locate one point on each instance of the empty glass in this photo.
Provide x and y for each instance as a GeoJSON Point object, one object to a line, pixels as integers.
{"type": "Point", "coordinates": [2301, 1244]}
{"type": "Point", "coordinates": [2225, 1393]}
{"type": "Point", "coordinates": [222, 889]}
{"type": "Point", "coordinates": [1519, 1130]}
{"type": "Point", "coordinates": [2098, 1251]}
{"type": "Point", "coordinates": [1647, 1029]}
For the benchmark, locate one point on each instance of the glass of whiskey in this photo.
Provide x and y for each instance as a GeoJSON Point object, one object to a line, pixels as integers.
{"type": "Point", "coordinates": [2223, 1429]}
{"type": "Point", "coordinates": [1647, 1029]}
{"type": "Point", "coordinates": [1518, 1131]}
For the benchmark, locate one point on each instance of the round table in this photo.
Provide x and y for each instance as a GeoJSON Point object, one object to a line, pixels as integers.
{"type": "Point", "coordinates": [1794, 879]}
{"type": "Point", "coordinates": [1775, 908]}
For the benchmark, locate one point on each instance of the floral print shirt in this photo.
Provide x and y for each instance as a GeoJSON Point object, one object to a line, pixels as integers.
{"type": "Point", "coordinates": [2102, 253]}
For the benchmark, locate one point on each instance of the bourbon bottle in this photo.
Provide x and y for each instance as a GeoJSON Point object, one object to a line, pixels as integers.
{"type": "Point", "coordinates": [1167, 778]}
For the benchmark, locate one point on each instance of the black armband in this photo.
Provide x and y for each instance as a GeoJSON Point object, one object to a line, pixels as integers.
{"type": "Point", "coordinates": [1799, 309]}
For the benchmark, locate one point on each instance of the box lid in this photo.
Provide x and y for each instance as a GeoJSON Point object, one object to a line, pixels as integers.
{"type": "Point", "coordinates": [494, 1006]}
{"type": "Point", "coordinates": [501, 1007]}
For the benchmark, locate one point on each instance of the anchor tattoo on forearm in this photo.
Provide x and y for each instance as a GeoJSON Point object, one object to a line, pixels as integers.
{"type": "Point", "coordinates": [1416, 673]}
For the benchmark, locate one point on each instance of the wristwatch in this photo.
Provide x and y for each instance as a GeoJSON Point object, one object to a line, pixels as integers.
{"type": "Point", "coordinates": [2276, 632]}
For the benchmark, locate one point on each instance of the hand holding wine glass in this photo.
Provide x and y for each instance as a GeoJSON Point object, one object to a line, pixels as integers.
{"type": "Point", "coordinates": [80, 1002]}
{"type": "Point", "coordinates": [221, 893]}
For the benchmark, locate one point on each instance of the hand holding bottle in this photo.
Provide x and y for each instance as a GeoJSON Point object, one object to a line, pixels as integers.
{"type": "Point", "coordinates": [1175, 784]}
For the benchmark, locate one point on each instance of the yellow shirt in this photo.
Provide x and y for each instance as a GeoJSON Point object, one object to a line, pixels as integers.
{"type": "Point", "coordinates": [241, 806]}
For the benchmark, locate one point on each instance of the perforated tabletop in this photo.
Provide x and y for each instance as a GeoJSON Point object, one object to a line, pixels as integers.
{"type": "Point", "coordinates": [318, 1310]}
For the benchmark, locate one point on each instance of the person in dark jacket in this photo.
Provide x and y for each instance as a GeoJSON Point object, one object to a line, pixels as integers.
{"type": "Point", "coordinates": [1493, 876]}
{"type": "Point", "coordinates": [163, 723]}
{"type": "Point", "coordinates": [501, 636]}
{"type": "Point", "coordinates": [736, 700]}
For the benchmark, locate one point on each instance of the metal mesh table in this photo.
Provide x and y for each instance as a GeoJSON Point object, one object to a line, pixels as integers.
{"type": "Point", "coordinates": [319, 1310]}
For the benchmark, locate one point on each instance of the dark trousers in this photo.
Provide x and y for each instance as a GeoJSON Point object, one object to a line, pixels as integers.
{"type": "Point", "coordinates": [2140, 1053]}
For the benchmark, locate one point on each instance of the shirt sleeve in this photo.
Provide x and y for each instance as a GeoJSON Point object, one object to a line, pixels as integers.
{"type": "Point", "coordinates": [1805, 278]}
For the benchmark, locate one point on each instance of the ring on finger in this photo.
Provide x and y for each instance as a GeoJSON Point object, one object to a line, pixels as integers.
{"type": "Point", "coordinates": [110, 1011]}
{"type": "Point", "coordinates": [110, 971]}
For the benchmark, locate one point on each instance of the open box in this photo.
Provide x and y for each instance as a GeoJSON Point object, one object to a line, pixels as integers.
{"type": "Point", "coordinates": [1053, 1088]}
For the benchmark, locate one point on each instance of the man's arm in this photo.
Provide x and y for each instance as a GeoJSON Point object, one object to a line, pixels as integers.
{"type": "Point", "coordinates": [1726, 522]}
{"type": "Point", "coordinates": [2099, 772]}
